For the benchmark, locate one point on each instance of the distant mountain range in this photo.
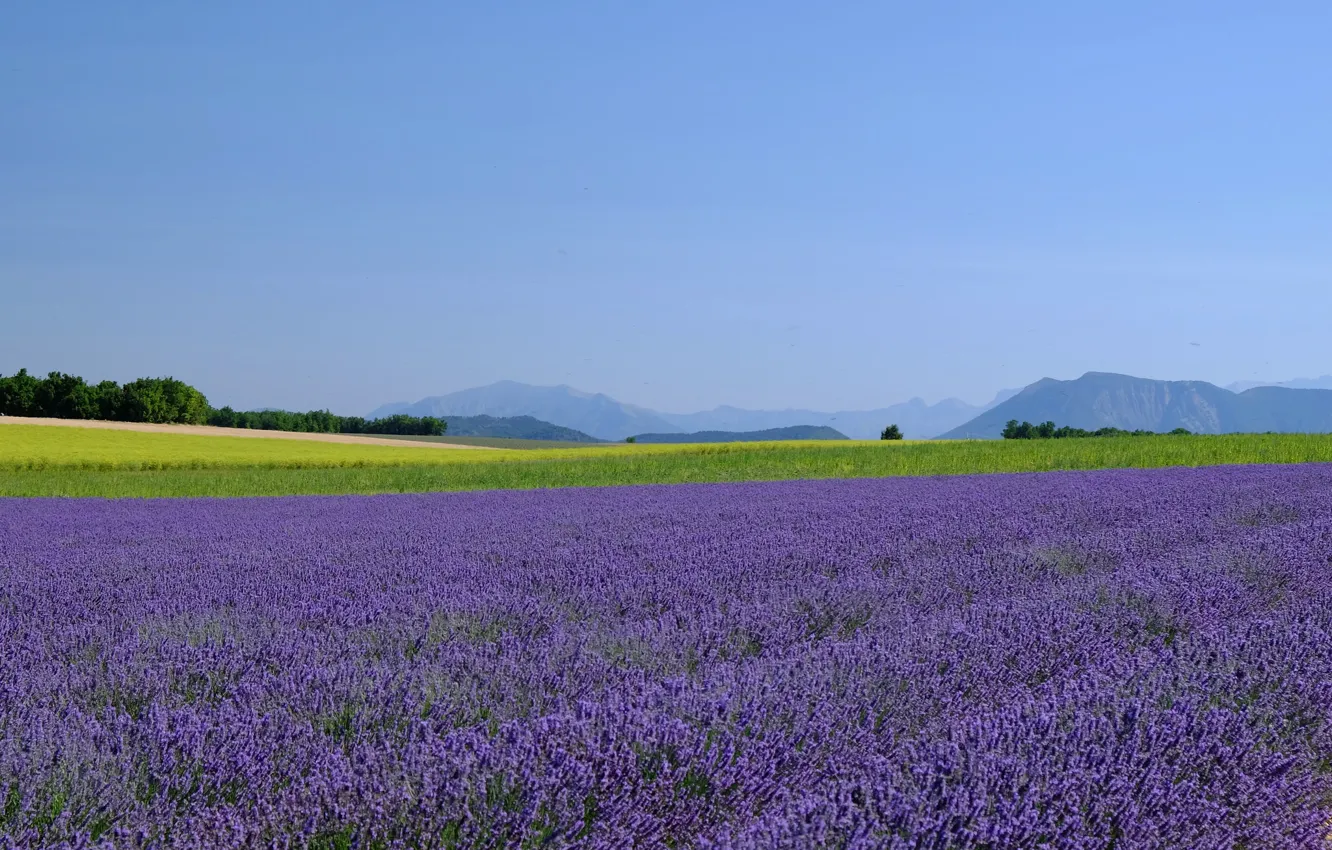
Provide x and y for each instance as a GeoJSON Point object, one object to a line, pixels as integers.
{"type": "Point", "coordinates": [1321, 383]}
{"type": "Point", "coordinates": [795, 432]}
{"type": "Point", "coordinates": [605, 418]}
{"type": "Point", "coordinates": [1102, 399]}
{"type": "Point", "coordinates": [592, 413]}
{"type": "Point", "coordinates": [1095, 400]}
{"type": "Point", "coordinates": [514, 427]}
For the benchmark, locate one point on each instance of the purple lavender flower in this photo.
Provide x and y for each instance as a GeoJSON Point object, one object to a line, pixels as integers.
{"type": "Point", "coordinates": [1126, 659]}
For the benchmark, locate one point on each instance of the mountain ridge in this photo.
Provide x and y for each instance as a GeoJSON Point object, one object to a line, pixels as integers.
{"type": "Point", "coordinates": [1108, 399]}
{"type": "Point", "coordinates": [603, 417]}
{"type": "Point", "coordinates": [1322, 382]}
{"type": "Point", "coordinates": [1094, 400]}
{"type": "Point", "coordinates": [595, 414]}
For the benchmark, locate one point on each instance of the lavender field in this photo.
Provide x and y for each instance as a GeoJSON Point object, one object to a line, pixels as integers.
{"type": "Point", "coordinates": [1118, 659]}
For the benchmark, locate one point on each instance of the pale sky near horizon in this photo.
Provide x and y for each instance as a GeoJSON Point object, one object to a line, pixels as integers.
{"type": "Point", "coordinates": [774, 204]}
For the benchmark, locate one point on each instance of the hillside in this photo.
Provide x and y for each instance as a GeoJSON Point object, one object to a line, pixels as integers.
{"type": "Point", "coordinates": [513, 427]}
{"type": "Point", "coordinates": [1102, 399]}
{"type": "Point", "coordinates": [593, 414]}
{"type": "Point", "coordinates": [605, 418]}
{"type": "Point", "coordinates": [795, 432]}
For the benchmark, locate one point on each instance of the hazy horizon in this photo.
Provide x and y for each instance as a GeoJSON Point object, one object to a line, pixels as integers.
{"type": "Point", "coordinates": [928, 401]}
{"type": "Point", "coordinates": [678, 205]}
{"type": "Point", "coordinates": [931, 400]}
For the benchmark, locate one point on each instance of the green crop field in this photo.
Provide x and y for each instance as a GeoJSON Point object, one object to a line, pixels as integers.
{"type": "Point", "coordinates": [42, 447]}
{"type": "Point", "coordinates": [51, 461]}
{"type": "Point", "coordinates": [46, 447]}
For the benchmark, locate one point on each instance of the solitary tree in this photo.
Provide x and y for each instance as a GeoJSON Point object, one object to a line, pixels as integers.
{"type": "Point", "coordinates": [892, 432]}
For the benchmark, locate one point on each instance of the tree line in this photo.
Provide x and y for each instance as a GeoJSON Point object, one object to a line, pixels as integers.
{"type": "Point", "coordinates": [1015, 430]}
{"type": "Point", "coordinates": [169, 401]}
{"type": "Point", "coordinates": [323, 422]}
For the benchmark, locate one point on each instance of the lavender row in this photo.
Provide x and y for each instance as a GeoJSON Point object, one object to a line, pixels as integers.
{"type": "Point", "coordinates": [1115, 659]}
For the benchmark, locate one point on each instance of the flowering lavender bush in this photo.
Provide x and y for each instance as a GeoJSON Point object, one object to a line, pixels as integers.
{"type": "Point", "coordinates": [1070, 660]}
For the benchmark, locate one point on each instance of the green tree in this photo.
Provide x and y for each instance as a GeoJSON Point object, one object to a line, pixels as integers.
{"type": "Point", "coordinates": [224, 417]}
{"type": "Point", "coordinates": [183, 403]}
{"type": "Point", "coordinates": [1015, 430]}
{"type": "Point", "coordinates": [107, 397]}
{"type": "Point", "coordinates": [892, 432]}
{"type": "Point", "coordinates": [144, 401]}
{"type": "Point", "coordinates": [18, 394]}
{"type": "Point", "coordinates": [433, 426]}
{"type": "Point", "coordinates": [62, 396]}
{"type": "Point", "coordinates": [400, 423]}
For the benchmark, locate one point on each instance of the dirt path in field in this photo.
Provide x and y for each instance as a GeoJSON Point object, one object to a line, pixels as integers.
{"type": "Point", "coordinates": [210, 431]}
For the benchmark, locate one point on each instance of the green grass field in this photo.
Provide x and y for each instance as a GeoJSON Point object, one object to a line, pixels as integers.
{"type": "Point", "coordinates": [53, 461]}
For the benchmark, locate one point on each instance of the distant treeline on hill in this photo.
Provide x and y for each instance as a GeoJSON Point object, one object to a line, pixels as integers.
{"type": "Point", "coordinates": [169, 401]}
{"type": "Point", "coordinates": [1047, 431]}
{"type": "Point", "coordinates": [323, 422]}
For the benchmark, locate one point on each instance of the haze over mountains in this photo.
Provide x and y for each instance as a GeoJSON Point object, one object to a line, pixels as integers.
{"type": "Point", "coordinates": [1103, 399]}
{"type": "Point", "coordinates": [602, 416]}
{"type": "Point", "coordinates": [1320, 383]}
{"type": "Point", "coordinates": [592, 413]}
{"type": "Point", "coordinates": [1095, 400]}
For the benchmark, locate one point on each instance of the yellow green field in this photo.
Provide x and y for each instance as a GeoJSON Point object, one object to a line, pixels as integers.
{"type": "Point", "coordinates": [39, 447]}
{"type": "Point", "coordinates": [51, 461]}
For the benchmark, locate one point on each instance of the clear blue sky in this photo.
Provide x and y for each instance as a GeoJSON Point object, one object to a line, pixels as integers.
{"type": "Point", "coordinates": [768, 204]}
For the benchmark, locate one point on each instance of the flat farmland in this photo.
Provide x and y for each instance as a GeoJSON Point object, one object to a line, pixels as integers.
{"type": "Point", "coordinates": [41, 461]}
{"type": "Point", "coordinates": [1122, 658]}
{"type": "Point", "coordinates": [213, 431]}
{"type": "Point", "coordinates": [46, 448]}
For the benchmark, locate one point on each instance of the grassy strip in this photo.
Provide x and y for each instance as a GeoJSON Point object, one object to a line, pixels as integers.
{"type": "Point", "coordinates": [717, 462]}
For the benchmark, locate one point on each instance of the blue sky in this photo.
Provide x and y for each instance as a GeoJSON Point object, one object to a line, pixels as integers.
{"type": "Point", "coordinates": [681, 204]}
